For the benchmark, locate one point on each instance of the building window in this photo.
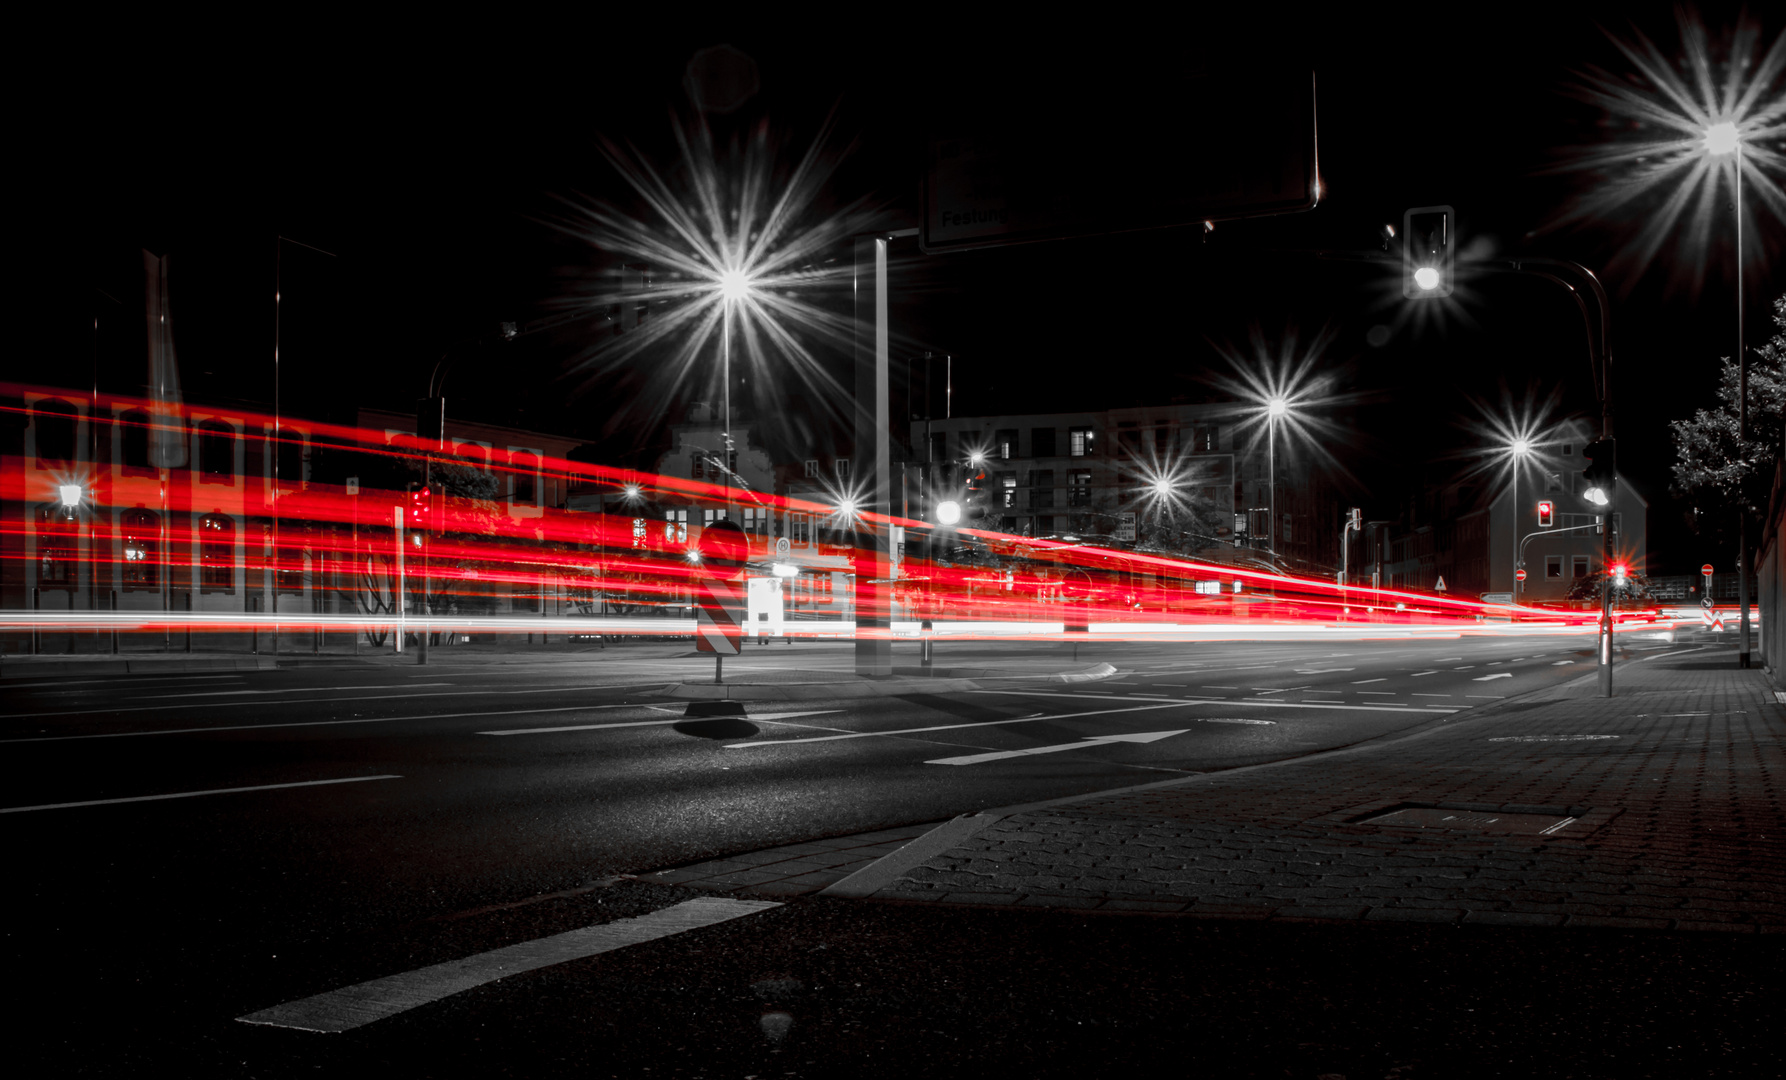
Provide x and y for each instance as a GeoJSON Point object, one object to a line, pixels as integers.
{"type": "Point", "coordinates": [1568, 450]}
{"type": "Point", "coordinates": [288, 567]}
{"type": "Point", "coordinates": [801, 527]}
{"type": "Point", "coordinates": [638, 532]}
{"type": "Point", "coordinates": [1205, 440]}
{"type": "Point", "coordinates": [1285, 536]}
{"type": "Point", "coordinates": [1079, 442]}
{"type": "Point", "coordinates": [1578, 566]}
{"type": "Point", "coordinates": [1041, 442]}
{"type": "Point", "coordinates": [1553, 566]}
{"type": "Point", "coordinates": [756, 521]}
{"type": "Point", "coordinates": [1553, 482]}
{"type": "Point", "coordinates": [1044, 524]}
{"type": "Point", "coordinates": [1128, 438]}
{"type": "Point", "coordinates": [812, 467]}
{"type": "Point", "coordinates": [697, 465]}
{"type": "Point", "coordinates": [142, 548]}
{"type": "Point", "coordinates": [54, 422]}
{"type": "Point", "coordinates": [1004, 444]}
{"type": "Point", "coordinates": [1079, 489]}
{"type": "Point", "coordinates": [526, 479]}
{"type": "Point", "coordinates": [58, 546]}
{"type": "Point", "coordinates": [216, 452]}
{"type": "Point", "coordinates": [1041, 484]}
{"type": "Point", "coordinates": [217, 552]}
{"type": "Point", "coordinates": [843, 468]}
{"type": "Point", "coordinates": [1006, 487]}
{"type": "Point", "coordinates": [676, 526]}
{"type": "Point", "coordinates": [133, 439]}
{"type": "Point", "coordinates": [1162, 440]}
{"type": "Point", "coordinates": [1041, 498]}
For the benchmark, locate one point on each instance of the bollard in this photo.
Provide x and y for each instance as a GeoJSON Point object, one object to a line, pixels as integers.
{"type": "Point", "coordinates": [188, 620]}
{"type": "Point", "coordinates": [924, 646]}
{"type": "Point", "coordinates": [36, 635]}
{"type": "Point", "coordinates": [114, 622]}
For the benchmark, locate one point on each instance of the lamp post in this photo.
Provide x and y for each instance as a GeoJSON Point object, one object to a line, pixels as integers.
{"type": "Point", "coordinates": [734, 287]}
{"type": "Point", "coordinates": [1519, 448]}
{"type": "Point", "coordinates": [1721, 139]}
{"type": "Point", "coordinates": [1274, 409]}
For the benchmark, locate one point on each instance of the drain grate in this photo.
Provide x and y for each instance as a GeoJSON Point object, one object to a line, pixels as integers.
{"type": "Point", "coordinates": [1492, 821]}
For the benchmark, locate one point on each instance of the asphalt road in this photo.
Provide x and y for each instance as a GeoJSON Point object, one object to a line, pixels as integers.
{"type": "Point", "coordinates": [432, 813]}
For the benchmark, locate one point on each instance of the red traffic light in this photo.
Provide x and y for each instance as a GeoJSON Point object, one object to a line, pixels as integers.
{"type": "Point", "coordinates": [1546, 513]}
{"type": "Point", "coordinates": [1621, 570]}
{"type": "Point", "coordinates": [420, 500]}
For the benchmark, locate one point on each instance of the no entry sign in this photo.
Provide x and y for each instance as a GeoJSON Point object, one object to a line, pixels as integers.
{"type": "Point", "coordinates": [1519, 575]}
{"type": "Point", "coordinates": [1706, 569]}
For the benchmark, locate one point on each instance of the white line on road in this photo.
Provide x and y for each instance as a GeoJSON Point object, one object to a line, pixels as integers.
{"type": "Point", "coordinates": [1560, 663]}
{"type": "Point", "coordinates": [192, 794]}
{"type": "Point", "coordinates": [1088, 741]}
{"type": "Point", "coordinates": [355, 1006]}
{"type": "Point", "coordinates": [316, 723]}
{"type": "Point", "coordinates": [1417, 674]}
{"type": "Point", "coordinates": [1445, 660]}
{"type": "Point", "coordinates": [400, 693]}
{"type": "Point", "coordinates": [954, 727]}
{"type": "Point", "coordinates": [1429, 695]}
{"type": "Point", "coordinates": [1496, 675]}
{"type": "Point", "coordinates": [1361, 682]}
{"type": "Point", "coordinates": [286, 690]}
{"type": "Point", "coordinates": [766, 717]}
{"type": "Point", "coordinates": [1263, 703]}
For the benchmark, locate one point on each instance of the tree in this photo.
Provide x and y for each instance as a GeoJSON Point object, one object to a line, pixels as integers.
{"type": "Point", "coordinates": [1711, 469]}
{"type": "Point", "coordinates": [1629, 588]}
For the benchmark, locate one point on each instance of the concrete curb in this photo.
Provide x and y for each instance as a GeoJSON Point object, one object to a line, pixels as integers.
{"type": "Point", "coordinates": [884, 871]}
{"type": "Point", "coordinates": [78, 667]}
{"type": "Point", "coordinates": [870, 686]}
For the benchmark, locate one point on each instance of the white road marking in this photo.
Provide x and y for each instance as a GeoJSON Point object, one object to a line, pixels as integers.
{"type": "Point", "coordinates": [1262, 703]}
{"type": "Point", "coordinates": [1140, 694]}
{"type": "Point", "coordinates": [1387, 693]}
{"type": "Point", "coordinates": [1466, 667]}
{"type": "Point", "coordinates": [1230, 720]}
{"type": "Point", "coordinates": [1496, 675]}
{"type": "Point", "coordinates": [1429, 695]}
{"type": "Point", "coordinates": [314, 723]}
{"type": "Point", "coordinates": [1445, 660]}
{"type": "Point", "coordinates": [1322, 670]}
{"type": "Point", "coordinates": [1487, 697]}
{"type": "Point", "coordinates": [1550, 738]}
{"type": "Point", "coordinates": [1560, 663]}
{"type": "Point", "coordinates": [1214, 687]}
{"type": "Point", "coordinates": [954, 727]}
{"type": "Point", "coordinates": [766, 717]}
{"type": "Point", "coordinates": [192, 794]}
{"type": "Point", "coordinates": [287, 690]}
{"type": "Point", "coordinates": [399, 693]}
{"type": "Point", "coordinates": [1088, 741]}
{"type": "Point", "coordinates": [1362, 682]}
{"type": "Point", "coordinates": [1417, 674]}
{"type": "Point", "coordinates": [355, 1006]}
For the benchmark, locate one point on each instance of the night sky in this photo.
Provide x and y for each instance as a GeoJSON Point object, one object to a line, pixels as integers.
{"type": "Point", "coordinates": [427, 163]}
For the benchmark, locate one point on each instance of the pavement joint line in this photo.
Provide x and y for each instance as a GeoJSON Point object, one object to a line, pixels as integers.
{"type": "Point", "coordinates": [193, 794]}
{"type": "Point", "coordinates": [363, 1003]}
{"type": "Point", "coordinates": [310, 723]}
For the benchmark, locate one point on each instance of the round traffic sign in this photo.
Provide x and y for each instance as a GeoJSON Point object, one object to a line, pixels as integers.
{"type": "Point", "coordinates": [724, 549]}
{"type": "Point", "coordinates": [1706, 569]}
{"type": "Point", "coordinates": [1519, 575]}
{"type": "Point", "coordinates": [781, 545]}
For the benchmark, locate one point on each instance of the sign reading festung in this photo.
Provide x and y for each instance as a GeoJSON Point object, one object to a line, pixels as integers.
{"type": "Point", "coordinates": [1056, 158]}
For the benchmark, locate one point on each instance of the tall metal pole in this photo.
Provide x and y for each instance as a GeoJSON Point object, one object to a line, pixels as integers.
{"type": "Point", "coordinates": [725, 398]}
{"type": "Point", "coordinates": [1515, 588]}
{"type": "Point", "coordinates": [1271, 467]}
{"type": "Point", "coordinates": [1742, 425]}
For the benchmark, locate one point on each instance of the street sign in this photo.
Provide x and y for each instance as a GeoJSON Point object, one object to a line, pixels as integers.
{"type": "Point", "coordinates": [1440, 587]}
{"type": "Point", "coordinates": [1519, 575]}
{"type": "Point", "coordinates": [1062, 153]}
{"type": "Point", "coordinates": [1706, 569]}
{"type": "Point", "coordinates": [781, 545]}
{"type": "Point", "coordinates": [719, 622]}
{"type": "Point", "coordinates": [1125, 525]}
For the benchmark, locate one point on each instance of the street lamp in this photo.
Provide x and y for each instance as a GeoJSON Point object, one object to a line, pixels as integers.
{"type": "Point", "coordinates": [1519, 448]}
{"type": "Point", "coordinates": [734, 287]}
{"type": "Point", "coordinates": [1720, 139]}
{"type": "Point", "coordinates": [1275, 409]}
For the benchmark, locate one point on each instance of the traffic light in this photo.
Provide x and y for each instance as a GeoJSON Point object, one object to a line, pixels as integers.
{"type": "Point", "coordinates": [1429, 252]}
{"type": "Point", "coordinates": [1601, 472]}
{"type": "Point", "coordinates": [1355, 519]}
{"type": "Point", "coordinates": [1546, 514]}
{"type": "Point", "coordinates": [1621, 570]}
{"type": "Point", "coordinates": [421, 501]}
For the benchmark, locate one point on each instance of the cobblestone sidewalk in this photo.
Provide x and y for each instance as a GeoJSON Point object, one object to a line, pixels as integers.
{"type": "Point", "coordinates": [1661, 808]}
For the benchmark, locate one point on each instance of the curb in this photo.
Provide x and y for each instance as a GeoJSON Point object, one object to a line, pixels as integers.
{"type": "Point", "coordinates": [78, 667]}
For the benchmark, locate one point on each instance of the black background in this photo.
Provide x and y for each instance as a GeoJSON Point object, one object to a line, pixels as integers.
{"type": "Point", "coordinates": [425, 156]}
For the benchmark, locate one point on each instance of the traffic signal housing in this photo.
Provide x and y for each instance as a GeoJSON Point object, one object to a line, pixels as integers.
{"type": "Point", "coordinates": [1602, 472]}
{"type": "Point", "coordinates": [419, 515]}
{"type": "Point", "coordinates": [1429, 252]}
{"type": "Point", "coordinates": [1546, 514]}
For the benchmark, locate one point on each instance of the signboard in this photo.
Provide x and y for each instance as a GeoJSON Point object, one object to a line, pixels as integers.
{"type": "Point", "coordinates": [1519, 575]}
{"type": "Point", "coordinates": [1706, 569]}
{"type": "Point", "coordinates": [1125, 525]}
{"type": "Point", "coordinates": [719, 622]}
{"type": "Point", "coordinates": [1061, 154]}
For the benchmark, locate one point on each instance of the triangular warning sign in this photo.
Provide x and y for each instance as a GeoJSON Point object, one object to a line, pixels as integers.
{"type": "Point", "coordinates": [1440, 587]}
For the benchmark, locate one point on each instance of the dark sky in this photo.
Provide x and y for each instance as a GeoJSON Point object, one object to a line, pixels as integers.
{"type": "Point", "coordinates": [423, 162]}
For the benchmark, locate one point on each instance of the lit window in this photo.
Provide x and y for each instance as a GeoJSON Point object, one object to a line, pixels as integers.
{"type": "Point", "coordinates": [1079, 441]}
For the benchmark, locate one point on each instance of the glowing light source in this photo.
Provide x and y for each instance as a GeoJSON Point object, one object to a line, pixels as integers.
{"type": "Point", "coordinates": [1277, 407]}
{"type": "Point", "coordinates": [734, 285]}
{"type": "Point", "coordinates": [948, 511]}
{"type": "Point", "coordinates": [1427, 278]}
{"type": "Point", "coordinates": [692, 555]}
{"type": "Point", "coordinates": [785, 570]}
{"type": "Point", "coordinates": [632, 491]}
{"type": "Point", "coordinates": [1521, 447]}
{"type": "Point", "coordinates": [1721, 139]}
{"type": "Point", "coordinates": [1596, 495]}
{"type": "Point", "coordinates": [978, 457]}
{"type": "Point", "coordinates": [70, 494]}
{"type": "Point", "coordinates": [1162, 486]}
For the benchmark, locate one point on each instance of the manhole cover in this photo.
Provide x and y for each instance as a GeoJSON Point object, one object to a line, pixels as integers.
{"type": "Point", "coordinates": [1430, 817]}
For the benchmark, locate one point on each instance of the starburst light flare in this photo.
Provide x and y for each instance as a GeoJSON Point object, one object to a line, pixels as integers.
{"type": "Point", "coordinates": [1681, 130]}
{"type": "Point", "coordinates": [732, 240]}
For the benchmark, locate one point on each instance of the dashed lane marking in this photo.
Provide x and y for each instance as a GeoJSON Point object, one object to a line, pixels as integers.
{"type": "Point", "coordinates": [286, 690]}
{"type": "Point", "coordinates": [955, 727]}
{"type": "Point", "coordinates": [313, 723]}
{"type": "Point", "coordinates": [361, 1004]}
{"type": "Point", "coordinates": [399, 693]}
{"type": "Point", "coordinates": [765, 717]}
{"type": "Point", "coordinates": [1560, 663]}
{"type": "Point", "coordinates": [192, 794]}
{"type": "Point", "coordinates": [1417, 674]}
{"type": "Point", "coordinates": [1263, 703]}
{"type": "Point", "coordinates": [1362, 682]}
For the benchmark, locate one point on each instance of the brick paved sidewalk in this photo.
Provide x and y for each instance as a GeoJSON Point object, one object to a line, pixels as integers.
{"type": "Point", "coordinates": [1659, 808]}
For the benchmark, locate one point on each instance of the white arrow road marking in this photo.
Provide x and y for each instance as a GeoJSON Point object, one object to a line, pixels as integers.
{"type": "Point", "coordinates": [355, 1006]}
{"type": "Point", "coordinates": [1496, 675]}
{"type": "Point", "coordinates": [1090, 740]}
{"type": "Point", "coordinates": [192, 794]}
{"type": "Point", "coordinates": [952, 727]}
{"type": "Point", "coordinates": [655, 723]}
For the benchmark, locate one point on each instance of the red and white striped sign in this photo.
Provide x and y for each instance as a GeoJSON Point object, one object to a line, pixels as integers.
{"type": "Point", "coordinates": [719, 623]}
